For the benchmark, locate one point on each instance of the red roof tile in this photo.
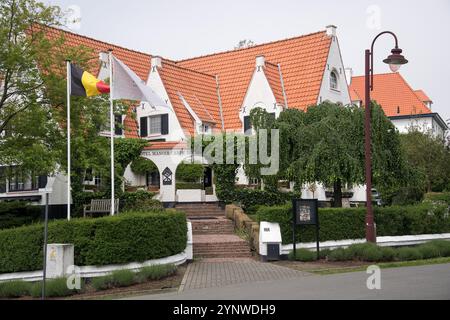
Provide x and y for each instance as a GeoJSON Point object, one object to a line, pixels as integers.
{"type": "Point", "coordinates": [422, 96]}
{"type": "Point", "coordinates": [302, 59]}
{"type": "Point", "coordinates": [198, 89]}
{"type": "Point", "coordinates": [274, 77]}
{"type": "Point", "coordinates": [393, 93]}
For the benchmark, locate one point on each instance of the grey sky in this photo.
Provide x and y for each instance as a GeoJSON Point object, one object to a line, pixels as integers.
{"type": "Point", "coordinates": [181, 29]}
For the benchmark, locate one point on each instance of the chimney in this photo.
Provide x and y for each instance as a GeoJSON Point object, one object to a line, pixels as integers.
{"type": "Point", "coordinates": [156, 62]}
{"type": "Point", "coordinates": [331, 30]}
{"type": "Point", "coordinates": [349, 75]}
{"type": "Point", "coordinates": [260, 61]}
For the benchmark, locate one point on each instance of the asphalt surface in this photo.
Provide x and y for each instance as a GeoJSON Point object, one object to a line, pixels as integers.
{"type": "Point", "coordinates": [422, 282]}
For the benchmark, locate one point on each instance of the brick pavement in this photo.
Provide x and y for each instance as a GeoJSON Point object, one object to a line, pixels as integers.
{"type": "Point", "coordinates": [209, 273]}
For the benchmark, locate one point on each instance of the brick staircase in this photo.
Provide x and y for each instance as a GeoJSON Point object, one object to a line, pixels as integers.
{"type": "Point", "coordinates": [213, 233]}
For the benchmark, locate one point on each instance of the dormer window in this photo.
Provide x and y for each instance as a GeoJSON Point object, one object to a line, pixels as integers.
{"type": "Point", "coordinates": [154, 125]}
{"type": "Point", "coordinates": [333, 80]}
{"type": "Point", "coordinates": [206, 128]}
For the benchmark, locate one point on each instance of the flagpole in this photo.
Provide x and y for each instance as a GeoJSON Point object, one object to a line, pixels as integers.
{"type": "Point", "coordinates": [69, 85]}
{"type": "Point", "coordinates": [112, 120]}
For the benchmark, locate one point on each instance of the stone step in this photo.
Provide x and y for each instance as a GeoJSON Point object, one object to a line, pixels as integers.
{"type": "Point", "coordinates": [224, 255]}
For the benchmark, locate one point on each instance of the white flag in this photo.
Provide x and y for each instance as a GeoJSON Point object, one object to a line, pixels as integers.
{"type": "Point", "coordinates": [127, 85]}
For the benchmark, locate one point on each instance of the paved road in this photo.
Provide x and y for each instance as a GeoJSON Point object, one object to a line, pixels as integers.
{"type": "Point", "coordinates": [423, 282]}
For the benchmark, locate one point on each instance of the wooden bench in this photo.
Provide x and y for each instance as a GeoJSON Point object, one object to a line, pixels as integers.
{"type": "Point", "coordinates": [100, 206]}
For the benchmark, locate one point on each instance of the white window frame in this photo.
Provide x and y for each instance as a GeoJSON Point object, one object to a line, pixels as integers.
{"type": "Point", "coordinates": [336, 87]}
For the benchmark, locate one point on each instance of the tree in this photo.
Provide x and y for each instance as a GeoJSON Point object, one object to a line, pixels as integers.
{"type": "Point", "coordinates": [244, 44]}
{"type": "Point", "coordinates": [326, 144]}
{"type": "Point", "coordinates": [429, 156]}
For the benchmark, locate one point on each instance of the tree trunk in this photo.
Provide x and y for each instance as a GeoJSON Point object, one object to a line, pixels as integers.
{"type": "Point", "coordinates": [337, 196]}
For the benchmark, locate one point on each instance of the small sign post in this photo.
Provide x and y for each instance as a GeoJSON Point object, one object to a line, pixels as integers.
{"type": "Point", "coordinates": [305, 213]}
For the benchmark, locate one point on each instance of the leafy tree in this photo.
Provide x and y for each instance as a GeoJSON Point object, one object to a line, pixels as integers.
{"type": "Point", "coordinates": [430, 157]}
{"type": "Point", "coordinates": [326, 144]}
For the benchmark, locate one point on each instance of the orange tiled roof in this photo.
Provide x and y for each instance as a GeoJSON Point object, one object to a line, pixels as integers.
{"type": "Point", "coordinates": [137, 61]}
{"type": "Point", "coordinates": [393, 93]}
{"type": "Point", "coordinates": [196, 87]}
{"type": "Point", "coordinates": [302, 59]}
{"type": "Point", "coordinates": [422, 96]}
{"type": "Point", "coordinates": [273, 76]}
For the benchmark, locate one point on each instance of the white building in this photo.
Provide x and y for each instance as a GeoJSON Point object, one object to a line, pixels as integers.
{"type": "Point", "coordinates": [405, 107]}
{"type": "Point", "coordinates": [214, 93]}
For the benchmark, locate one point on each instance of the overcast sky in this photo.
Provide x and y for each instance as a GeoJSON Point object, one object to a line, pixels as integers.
{"type": "Point", "coordinates": [179, 29]}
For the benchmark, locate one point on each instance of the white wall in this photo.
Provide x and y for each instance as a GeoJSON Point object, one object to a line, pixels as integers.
{"type": "Point", "coordinates": [175, 131]}
{"type": "Point", "coordinates": [259, 95]}
{"type": "Point", "coordinates": [335, 63]}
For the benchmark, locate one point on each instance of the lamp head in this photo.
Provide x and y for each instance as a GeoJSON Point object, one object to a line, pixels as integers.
{"type": "Point", "coordinates": [395, 60]}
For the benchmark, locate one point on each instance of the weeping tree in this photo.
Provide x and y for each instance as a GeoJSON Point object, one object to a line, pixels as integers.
{"type": "Point", "coordinates": [326, 144]}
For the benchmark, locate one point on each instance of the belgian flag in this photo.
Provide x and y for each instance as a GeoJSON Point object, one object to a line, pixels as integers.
{"type": "Point", "coordinates": [84, 84]}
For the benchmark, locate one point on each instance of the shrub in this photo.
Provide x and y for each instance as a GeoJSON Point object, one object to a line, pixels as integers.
{"type": "Point", "coordinates": [53, 288]}
{"type": "Point", "coordinates": [190, 172]}
{"type": "Point", "coordinates": [304, 255]}
{"type": "Point", "coordinates": [18, 213]}
{"type": "Point", "coordinates": [102, 283]}
{"type": "Point", "coordinates": [134, 237]}
{"type": "Point", "coordinates": [250, 199]}
{"type": "Point", "coordinates": [443, 246]}
{"type": "Point", "coordinates": [408, 254]}
{"type": "Point", "coordinates": [139, 201]}
{"type": "Point", "coordinates": [143, 166]}
{"type": "Point", "coordinates": [14, 289]}
{"type": "Point", "coordinates": [323, 254]}
{"type": "Point", "coordinates": [429, 251]}
{"type": "Point", "coordinates": [156, 272]}
{"type": "Point", "coordinates": [349, 223]}
{"type": "Point", "coordinates": [340, 254]}
{"type": "Point", "coordinates": [438, 197]}
{"type": "Point", "coordinates": [122, 278]}
{"type": "Point", "coordinates": [372, 253]}
{"type": "Point", "coordinates": [388, 254]}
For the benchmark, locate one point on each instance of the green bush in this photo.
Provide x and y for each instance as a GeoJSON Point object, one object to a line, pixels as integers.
{"type": "Point", "coordinates": [53, 288]}
{"type": "Point", "coordinates": [409, 254]}
{"type": "Point", "coordinates": [123, 278]}
{"type": "Point", "coordinates": [429, 251]}
{"type": "Point", "coordinates": [303, 255]}
{"type": "Point", "coordinates": [443, 246]}
{"type": "Point", "coordinates": [156, 272]}
{"type": "Point", "coordinates": [340, 254]}
{"type": "Point", "coordinates": [190, 172]}
{"type": "Point", "coordinates": [388, 254]}
{"type": "Point", "coordinates": [349, 223]}
{"type": "Point", "coordinates": [324, 253]}
{"type": "Point", "coordinates": [14, 289]}
{"type": "Point", "coordinates": [132, 237]}
{"type": "Point", "coordinates": [438, 197]}
{"type": "Point", "coordinates": [102, 283]}
{"type": "Point", "coordinates": [189, 186]}
{"type": "Point", "coordinates": [250, 199]}
{"type": "Point", "coordinates": [139, 201]}
{"type": "Point", "coordinates": [18, 213]}
{"type": "Point", "coordinates": [143, 166]}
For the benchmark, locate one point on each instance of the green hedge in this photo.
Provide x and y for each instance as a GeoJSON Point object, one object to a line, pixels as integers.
{"type": "Point", "coordinates": [18, 213]}
{"type": "Point", "coordinates": [438, 197]}
{"type": "Point", "coordinates": [251, 199]}
{"type": "Point", "coordinates": [348, 223]}
{"type": "Point", "coordinates": [132, 237]}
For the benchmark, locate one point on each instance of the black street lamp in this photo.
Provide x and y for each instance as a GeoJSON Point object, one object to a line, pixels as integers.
{"type": "Point", "coordinates": [395, 61]}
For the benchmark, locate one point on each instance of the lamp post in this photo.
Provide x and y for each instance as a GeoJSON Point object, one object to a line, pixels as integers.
{"type": "Point", "coordinates": [395, 61]}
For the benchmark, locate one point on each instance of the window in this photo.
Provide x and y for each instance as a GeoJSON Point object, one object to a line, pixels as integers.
{"type": "Point", "coordinates": [154, 125]}
{"type": "Point", "coordinates": [22, 181]}
{"type": "Point", "coordinates": [333, 81]}
{"type": "Point", "coordinates": [247, 125]}
{"type": "Point", "coordinates": [206, 128]}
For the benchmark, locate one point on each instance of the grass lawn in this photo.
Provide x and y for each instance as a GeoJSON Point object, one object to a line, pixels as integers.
{"type": "Point", "coordinates": [327, 267]}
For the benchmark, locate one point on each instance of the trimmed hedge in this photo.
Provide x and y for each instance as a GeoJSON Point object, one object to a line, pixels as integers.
{"type": "Point", "coordinates": [133, 237]}
{"type": "Point", "coordinates": [348, 223]}
{"type": "Point", "coordinates": [438, 197]}
{"type": "Point", "coordinates": [251, 199]}
{"type": "Point", "coordinates": [18, 213]}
